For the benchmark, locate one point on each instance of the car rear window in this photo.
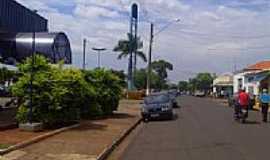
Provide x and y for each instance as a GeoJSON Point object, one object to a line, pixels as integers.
{"type": "Point", "coordinates": [156, 99]}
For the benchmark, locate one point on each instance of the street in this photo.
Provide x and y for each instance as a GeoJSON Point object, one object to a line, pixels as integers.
{"type": "Point", "coordinates": [203, 130]}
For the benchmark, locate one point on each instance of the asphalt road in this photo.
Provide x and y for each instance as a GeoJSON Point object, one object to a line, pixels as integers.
{"type": "Point", "coordinates": [203, 130]}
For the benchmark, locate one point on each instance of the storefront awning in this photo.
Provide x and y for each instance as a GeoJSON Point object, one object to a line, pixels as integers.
{"type": "Point", "coordinates": [259, 78]}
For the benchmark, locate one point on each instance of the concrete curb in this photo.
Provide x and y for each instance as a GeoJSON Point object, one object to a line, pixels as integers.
{"type": "Point", "coordinates": [107, 151]}
{"type": "Point", "coordinates": [36, 139]}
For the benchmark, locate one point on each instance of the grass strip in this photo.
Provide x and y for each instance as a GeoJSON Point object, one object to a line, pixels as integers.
{"type": "Point", "coordinates": [4, 146]}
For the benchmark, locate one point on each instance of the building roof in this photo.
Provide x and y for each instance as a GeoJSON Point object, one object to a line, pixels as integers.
{"type": "Point", "coordinates": [263, 65]}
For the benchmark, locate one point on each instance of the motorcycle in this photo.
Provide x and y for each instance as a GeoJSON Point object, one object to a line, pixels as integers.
{"type": "Point", "coordinates": [243, 115]}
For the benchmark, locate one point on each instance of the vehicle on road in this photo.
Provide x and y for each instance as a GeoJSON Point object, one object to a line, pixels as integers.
{"type": "Point", "coordinates": [173, 94]}
{"type": "Point", "coordinates": [157, 106]}
{"type": "Point", "coordinates": [252, 101]}
{"type": "Point", "coordinates": [243, 115]}
{"type": "Point", "coordinates": [199, 93]}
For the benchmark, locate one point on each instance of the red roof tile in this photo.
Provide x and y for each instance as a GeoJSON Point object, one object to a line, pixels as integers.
{"type": "Point", "coordinates": [263, 65]}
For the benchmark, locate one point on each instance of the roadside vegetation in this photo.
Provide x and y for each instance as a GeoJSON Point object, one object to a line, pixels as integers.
{"type": "Point", "coordinates": [62, 95]}
{"type": "Point", "coordinates": [159, 76]}
{"type": "Point", "coordinates": [4, 146]}
{"type": "Point", "coordinates": [201, 82]}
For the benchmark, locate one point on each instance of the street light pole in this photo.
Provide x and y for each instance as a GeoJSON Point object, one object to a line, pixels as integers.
{"type": "Point", "coordinates": [99, 50]}
{"type": "Point", "coordinates": [32, 70]}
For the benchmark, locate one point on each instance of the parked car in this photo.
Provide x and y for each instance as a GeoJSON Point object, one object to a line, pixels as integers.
{"type": "Point", "coordinates": [173, 94]}
{"type": "Point", "coordinates": [199, 93]}
{"type": "Point", "coordinates": [157, 106]}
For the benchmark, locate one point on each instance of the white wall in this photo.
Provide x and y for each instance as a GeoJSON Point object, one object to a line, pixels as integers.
{"type": "Point", "coordinates": [246, 84]}
{"type": "Point", "coordinates": [236, 84]}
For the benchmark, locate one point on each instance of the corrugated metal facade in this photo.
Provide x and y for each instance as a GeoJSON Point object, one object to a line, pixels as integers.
{"type": "Point", "coordinates": [16, 18]}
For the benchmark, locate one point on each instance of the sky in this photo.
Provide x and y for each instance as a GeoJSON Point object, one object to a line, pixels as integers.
{"type": "Point", "coordinates": [214, 36]}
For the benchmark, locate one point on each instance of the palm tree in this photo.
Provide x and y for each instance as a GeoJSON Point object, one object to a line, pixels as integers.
{"type": "Point", "coordinates": [125, 46]}
{"type": "Point", "coordinates": [161, 67]}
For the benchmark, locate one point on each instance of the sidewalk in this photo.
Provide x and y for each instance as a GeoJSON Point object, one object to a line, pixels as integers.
{"type": "Point", "coordinates": [85, 142]}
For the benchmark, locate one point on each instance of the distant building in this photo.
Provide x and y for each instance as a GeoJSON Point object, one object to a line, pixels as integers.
{"type": "Point", "coordinates": [251, 77]}
{"type": "Point", "coordinates": [223, 85]}
{"type": "Point", "coordinates": [17, 24]}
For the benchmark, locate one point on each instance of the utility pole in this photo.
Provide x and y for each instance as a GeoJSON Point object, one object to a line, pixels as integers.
{"type": "Point", "coordinates": [148, 89]}
{"type": "Point", "coordinates": [152, 35]}
{"type": "Point", "coordinates": [84, 50]}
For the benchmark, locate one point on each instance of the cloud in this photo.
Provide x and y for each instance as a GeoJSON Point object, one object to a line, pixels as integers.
{"type": "Point", "coordinates": [208, 38]}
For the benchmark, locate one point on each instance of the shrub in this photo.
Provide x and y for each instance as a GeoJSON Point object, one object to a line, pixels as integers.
{"type": "Point", "coordinates": [107, 87]}
{"type": "Point", "coordinates": [58, 94]}
{"type": "Point", "coordinates": [64, 95]}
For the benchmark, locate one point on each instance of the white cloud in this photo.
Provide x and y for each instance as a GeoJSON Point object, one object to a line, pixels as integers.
{"type": "Point", "coordinates": [228, 29]}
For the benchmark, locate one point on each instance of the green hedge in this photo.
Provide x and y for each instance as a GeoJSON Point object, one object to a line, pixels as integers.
{"type": "Point", "coordinates": [107, 87]}
{"type": "Point", "coordinates": [64, 95]}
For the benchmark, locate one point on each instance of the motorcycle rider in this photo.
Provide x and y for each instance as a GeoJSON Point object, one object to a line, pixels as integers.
{"type": "Point", "coordinates": [244, 102]}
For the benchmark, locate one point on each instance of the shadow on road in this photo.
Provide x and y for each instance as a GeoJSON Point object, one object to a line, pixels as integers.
{"type": "Point", "coordinates": [121, 116]}
{"type": "Point", "coordinates": [175, 117]}
{"type": "Point", "coordinates": [90, 126]}
{"type": "Point", "coordinates": [249, 122]}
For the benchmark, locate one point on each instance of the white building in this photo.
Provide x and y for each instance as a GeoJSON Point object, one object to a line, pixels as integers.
{"type": "Point", "coordinates": [252, 78]}
{"type": "Point", "coordinates": [223, 85]}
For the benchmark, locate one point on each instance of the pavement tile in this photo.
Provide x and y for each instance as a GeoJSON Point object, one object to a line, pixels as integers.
{"type": "Point", "coordinates": [85, 142]}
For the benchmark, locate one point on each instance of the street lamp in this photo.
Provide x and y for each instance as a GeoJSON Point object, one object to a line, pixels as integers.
{"type": "Point", "coordinates": [32, 69]}
{"type": "Point", "coordinates": [152, 36]}
{"type": "Point", "coordinates": [99, 50]}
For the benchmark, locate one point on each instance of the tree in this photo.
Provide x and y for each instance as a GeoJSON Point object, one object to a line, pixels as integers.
{"type": "Point", "coordinates": [125, 46]}
{"type": "Point", "coordinates": [122, 76]}
{"type": "Point", "coordinates": [172, 86]}
{"type": "Point", "coordinates": [204, 81]}
{"type": "Point", "coordinates": [192, 84]}
{"type": "Point", "coordinates": [140, 80]}
{"type": "Point", "coordinates": [183, 86]}
{"type": "Point", "coordinates": [161, 67]}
